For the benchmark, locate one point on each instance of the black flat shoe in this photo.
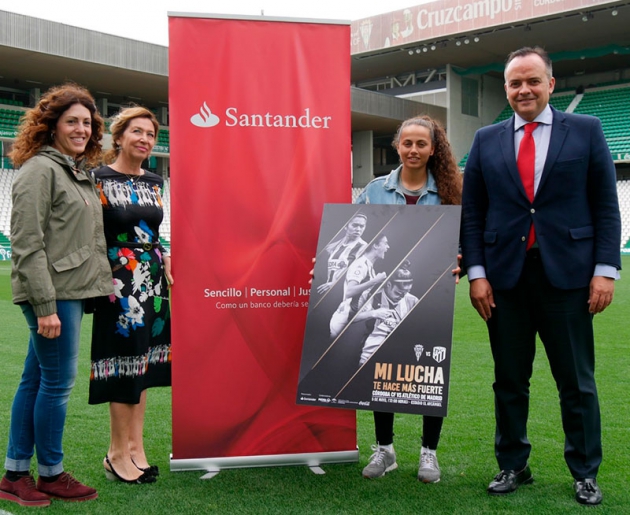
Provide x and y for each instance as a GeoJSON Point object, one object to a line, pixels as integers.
{"type": "Point", "coordinates": [587, 491]}
{"type": "Point", "coordinates": [508, 481]}
{"type": "Point", "coordinates": [112, 475]}
{"type": "Point", "coordinates": [153, 470]}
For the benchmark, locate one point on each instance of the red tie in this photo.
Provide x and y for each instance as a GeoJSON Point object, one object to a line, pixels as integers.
{"type": "Point", "coordinates": [526, 164]}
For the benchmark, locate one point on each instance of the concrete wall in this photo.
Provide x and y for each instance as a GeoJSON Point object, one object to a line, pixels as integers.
{"type": "Point", "coordinates": [461, 128]}
{"type": "Point", "coordinates": [385, 106]}
{"type": "Point", "coordinates": [362, 158]}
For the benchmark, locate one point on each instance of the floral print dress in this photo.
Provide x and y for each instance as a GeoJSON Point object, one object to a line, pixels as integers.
{"type": "Point", "coordinates": [131, 337]}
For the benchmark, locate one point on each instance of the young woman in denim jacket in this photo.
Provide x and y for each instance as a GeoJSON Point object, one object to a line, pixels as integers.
{"type": "Point", "coordinates": [428, 175]}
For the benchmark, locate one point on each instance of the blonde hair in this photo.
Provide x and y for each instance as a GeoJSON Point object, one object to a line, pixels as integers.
{"type": "Point", "coordinates": [119, 125]}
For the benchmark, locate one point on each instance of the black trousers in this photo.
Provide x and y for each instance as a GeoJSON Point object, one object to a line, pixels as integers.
{"type": "Point", "coordinates": [562, 320]}
{"type": "Point", "coordinates": [384, 428]}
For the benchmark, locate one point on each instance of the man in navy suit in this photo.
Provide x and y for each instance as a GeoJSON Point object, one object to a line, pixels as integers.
{"type": "Point", "coordinates": [542, 261]}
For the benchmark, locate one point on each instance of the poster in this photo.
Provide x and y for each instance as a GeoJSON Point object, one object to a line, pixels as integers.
{"type": "Point", "coordinates": [260, 140]}
{"type": "Point", "coordinates": [380, 318]}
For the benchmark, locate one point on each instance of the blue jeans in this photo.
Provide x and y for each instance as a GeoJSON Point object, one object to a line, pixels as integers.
{"type": "Point", "coordinates": [40, 403]}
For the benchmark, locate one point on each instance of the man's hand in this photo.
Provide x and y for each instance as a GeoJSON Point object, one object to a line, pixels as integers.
{"type": "Point", "coordinates": [482, 298]}
{"type": "Point", "coordinates": [600, 294]}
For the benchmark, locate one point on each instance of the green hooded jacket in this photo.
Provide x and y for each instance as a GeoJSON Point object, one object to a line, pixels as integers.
{"type": "Point", "coordinates": [57, 240]}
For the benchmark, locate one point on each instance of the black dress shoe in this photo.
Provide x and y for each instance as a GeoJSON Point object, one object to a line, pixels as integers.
{"type": "Point", "coordinates": [587, 491]}
{"type": "Point", "coordinates": [112, 475]}
{"type": "Point", "coordinates": [152, 470]}
{"type": "Point", "coordinates": [507, 481]}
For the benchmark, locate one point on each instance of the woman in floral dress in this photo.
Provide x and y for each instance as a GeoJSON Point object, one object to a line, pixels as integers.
{"type": "Point", "coordinates": [131, 341]}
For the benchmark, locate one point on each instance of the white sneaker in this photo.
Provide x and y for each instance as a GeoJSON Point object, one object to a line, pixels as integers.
{"type": "Point", "coordinates": [381, 462]}
{"type": "Point", "coordinates": [429, 471]}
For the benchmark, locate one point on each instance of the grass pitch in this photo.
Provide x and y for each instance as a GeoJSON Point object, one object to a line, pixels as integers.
{"type": "Point", "coordinates": [465, 454]}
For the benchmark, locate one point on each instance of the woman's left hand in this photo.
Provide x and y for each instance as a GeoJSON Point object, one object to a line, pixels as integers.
{"type": "Point", "coordinates": [458, 270]}
{"type": "Point", "coordinates": [167, 270]}
{"type": "Point", "coordinates": [49, 326]}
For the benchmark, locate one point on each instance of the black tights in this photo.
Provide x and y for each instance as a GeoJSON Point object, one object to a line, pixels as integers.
{"type": "Point", "coordinates": [384, 427]}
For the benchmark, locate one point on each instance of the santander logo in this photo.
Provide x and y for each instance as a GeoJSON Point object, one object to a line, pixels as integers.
{"type": "Point", "coordinates": [205, 118]}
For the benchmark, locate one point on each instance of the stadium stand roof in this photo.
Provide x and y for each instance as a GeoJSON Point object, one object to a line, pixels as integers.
{"type": "Point", "coordinates": [570, 30]}
{"type": "Point", "coordinates": [36, 52]}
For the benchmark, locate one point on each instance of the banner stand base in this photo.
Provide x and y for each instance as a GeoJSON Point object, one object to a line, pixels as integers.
{"type": "Point", "coordinates": [313, 460]}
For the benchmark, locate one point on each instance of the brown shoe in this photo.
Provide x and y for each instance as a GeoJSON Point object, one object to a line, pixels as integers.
{"type": "Point", "coordinates": [23, 491]}
{"type": "Point", "coordinates": [67, 488]}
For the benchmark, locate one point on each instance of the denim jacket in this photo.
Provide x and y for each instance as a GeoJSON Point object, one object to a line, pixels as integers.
{"type": "Point", "coordinates": [387, 190]}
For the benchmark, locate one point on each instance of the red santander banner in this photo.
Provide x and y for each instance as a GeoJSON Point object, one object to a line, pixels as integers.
{"type": "Point", "coordinates": [260, 140]}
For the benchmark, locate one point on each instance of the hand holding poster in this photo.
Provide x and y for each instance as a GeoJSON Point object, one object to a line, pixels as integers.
{"type": "Point", "coordinates": [380, 319]}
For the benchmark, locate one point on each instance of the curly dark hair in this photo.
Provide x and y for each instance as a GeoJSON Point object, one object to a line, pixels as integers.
{"type": "Point", "coordinates": [442, 163]}
{"type": "Point", "coordinates": [40, 121]}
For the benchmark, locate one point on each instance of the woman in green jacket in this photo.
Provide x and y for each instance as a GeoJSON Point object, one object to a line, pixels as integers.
{"type": "Point", "coordinates": [59, 261]}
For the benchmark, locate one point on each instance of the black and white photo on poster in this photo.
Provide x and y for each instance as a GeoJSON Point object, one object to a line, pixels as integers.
{"type": "Point", "coordinates": [379, 327]}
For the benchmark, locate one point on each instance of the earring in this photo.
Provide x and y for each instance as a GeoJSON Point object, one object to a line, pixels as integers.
{"type": "Point", "coordinates": [52, 135]}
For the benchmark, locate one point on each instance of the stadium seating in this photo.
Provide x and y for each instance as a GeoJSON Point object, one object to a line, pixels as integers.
{"type": "Point", "coordinates": [6, 179]}
{"type": "Point", "coordinates": [610, 105]}
{"type": "Point", "coordinates": [11, 102]}
{"type": "Point", "coordinates": [355, 193]}
{"type": "Point", "coordinates": [163, 138]}
{"type": "Point", "coordinates": [562, 101]}
{"type": "Point", "coordinates": [165, 227]}
{"type": "Point", "coordinates": [162, 144]}
{"type": "Point", "coordinates": [9, 119]}
{"type": "Point", "coordinates": [623, 190]}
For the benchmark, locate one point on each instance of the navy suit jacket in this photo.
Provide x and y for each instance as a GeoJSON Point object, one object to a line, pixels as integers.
{"type": "Point", "coordinates": [575, 211]}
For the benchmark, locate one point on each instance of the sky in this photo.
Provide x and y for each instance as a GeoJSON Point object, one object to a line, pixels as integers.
{"type": "Point", "coordinates": [148, 21]}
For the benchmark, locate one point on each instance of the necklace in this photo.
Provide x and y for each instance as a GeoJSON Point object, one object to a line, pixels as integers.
{"type": "Point", "coordinates": [132, 177]}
